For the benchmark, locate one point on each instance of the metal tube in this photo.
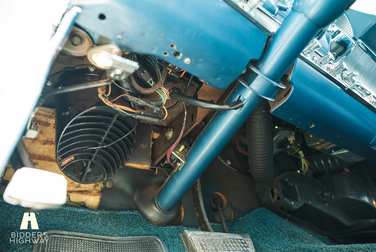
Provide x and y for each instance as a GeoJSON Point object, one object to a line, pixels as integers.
{"type": "Point", "coordinates": [76, 88]}
{"type": "Point", "coordinates": [284, 48]}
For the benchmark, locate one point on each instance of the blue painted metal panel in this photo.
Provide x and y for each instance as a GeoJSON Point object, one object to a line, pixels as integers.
{"type": "Point", "coordinates": [218, 39]}
{"type": "Point", "coordinates": [337, 117]}
{"type": "Point", "coordinates": [285, 46]}
{"type": "Point", "coordinates": [225, 124]}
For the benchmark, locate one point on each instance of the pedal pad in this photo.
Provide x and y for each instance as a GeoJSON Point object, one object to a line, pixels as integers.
{"type": "Point", "coordinates": [62, 241]}
{"type": "Point", "coordinates": [200, 241]}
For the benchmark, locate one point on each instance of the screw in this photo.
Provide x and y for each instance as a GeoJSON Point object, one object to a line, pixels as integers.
{"type": "Point", "coordinates": [187, 61]}
{"type": "Point", "coordinates": [91, 69]}
{"type": "Point", "coordinates": [49, 83]}
{"type": "Point", "coordinates": [292, 202]}
{"type": "Point", "coordinates": [228, 162]}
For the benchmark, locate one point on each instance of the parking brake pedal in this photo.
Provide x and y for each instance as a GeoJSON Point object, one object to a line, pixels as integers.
{"type": "Point", "coordinates": [200, 241]}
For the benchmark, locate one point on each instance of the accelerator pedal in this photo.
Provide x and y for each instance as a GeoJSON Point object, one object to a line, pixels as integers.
{"type": "Point", "coordinates": [200, 241]}
{"type": "Point", "coordinates": [61, 241]}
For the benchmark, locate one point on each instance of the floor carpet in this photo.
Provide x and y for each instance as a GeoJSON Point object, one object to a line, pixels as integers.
{"type": "Point", "coordinates": [268, 231]}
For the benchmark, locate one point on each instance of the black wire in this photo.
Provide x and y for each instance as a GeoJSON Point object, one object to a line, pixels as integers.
{"type": "Point", "coordinates": [81, 66]}
{"type": "Point", "coordinates": [206, 104]}
{"type": "Point", "coordinates": [101, 147]}
{"type": "Point", "coordinates": [123, 88]}
{"type": "Point", "coordinates": [184, 92]}
{"type": "Point", "coordinates": [233, 168]}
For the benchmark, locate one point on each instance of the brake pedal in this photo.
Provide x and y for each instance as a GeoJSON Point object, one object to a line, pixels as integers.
{"type": "Point", "coordinates": [201, 241]}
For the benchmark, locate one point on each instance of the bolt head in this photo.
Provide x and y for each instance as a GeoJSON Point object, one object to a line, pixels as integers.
{"type": "Point", "coordinates": [187, 61]}
{"type": "Point", "coordinates": [49, 83]}
{"type": "Point", "coordinates": [91, 69]}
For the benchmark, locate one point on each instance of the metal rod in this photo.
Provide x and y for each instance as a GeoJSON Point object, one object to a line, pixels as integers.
{"type": "Point", "coordinates": [284, 48]}
{"type": "Point", "coordinates": [220, 213]}
{"type": "Point", "coordinates": [24, 154]}
{"type": "Point", "coordinates": [76, 88]}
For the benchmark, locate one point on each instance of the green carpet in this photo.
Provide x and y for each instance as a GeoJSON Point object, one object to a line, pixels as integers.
{"type": "Point", "coordinates": [268, 231]}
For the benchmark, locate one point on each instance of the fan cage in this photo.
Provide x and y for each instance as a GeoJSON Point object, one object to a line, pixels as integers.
{"type": "Point", "coordinates": [82, 152]}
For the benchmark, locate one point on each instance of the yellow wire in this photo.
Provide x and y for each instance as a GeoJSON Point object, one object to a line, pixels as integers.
{"type": "Point", "coordinates": [165, 112]}
{"type": "Point", "coordinates": [112, 105]}
{"type": "Point", "coordinates": [109, 90]}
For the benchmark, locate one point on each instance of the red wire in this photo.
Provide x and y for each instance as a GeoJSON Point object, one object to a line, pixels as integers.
{"type": "Point", "coordinates": [124, 95]}
{"type": "Point", "coordinates": [240, 149]}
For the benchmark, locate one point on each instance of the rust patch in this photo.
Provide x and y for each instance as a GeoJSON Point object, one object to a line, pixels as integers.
{"type": "Point", "coordinates": [41, 123]}
{"type": "Point", "coordinates": [42, 157]}
{"type": "Point", "coordinates": [46, 142]}
{"type": "Point", "coordinates": [67, 161]}
{"type": "Point", "coordinates": [88, 193]}
{"type": "Point", "coordinates": [38, 114]}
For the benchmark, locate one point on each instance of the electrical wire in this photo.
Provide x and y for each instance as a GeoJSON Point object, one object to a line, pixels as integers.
{"type": "Point", "coordinates": [180, 135]}
{"type": "Point", "coordinates": [123, 88]}
{"type": "Point", "coordinates": [240, 149]}
{"type": "Point", "coordinates": [184, 92]}
{"type": "Point", "coordinates": [181, 76]}
{"type": "Point", "coordinates": [207, 104]}
{"type": "Point", "coordinates": [120, 107]}
{"type": "Point", "coordinates": [166, 112]}
{"type": "Point", "coordinates": [102, 147]}
{"type": "Point", "coordinates": [305, 163]}
{"type": "Point", "coordinates": [233, 168]}
{"type": "Point", "coordinates": [109, 90]}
